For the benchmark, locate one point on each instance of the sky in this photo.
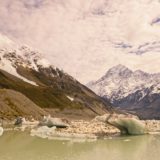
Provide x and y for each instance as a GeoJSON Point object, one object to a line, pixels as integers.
{"type": "Point", "coordinates": [87, 37]}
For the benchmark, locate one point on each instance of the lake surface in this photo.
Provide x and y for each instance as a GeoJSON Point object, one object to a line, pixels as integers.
{"type": "Point", "coordinates": [21, 146]}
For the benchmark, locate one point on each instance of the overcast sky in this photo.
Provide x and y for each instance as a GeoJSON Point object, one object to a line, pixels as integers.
{"type": "Point", "coordinates": [86, 37]}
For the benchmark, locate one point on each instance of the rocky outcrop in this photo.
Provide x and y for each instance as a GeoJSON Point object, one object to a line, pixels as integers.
{"type": "Point", "coordinates": [21, 121]}
{"type": "Point", "coordinates": [53, 122]}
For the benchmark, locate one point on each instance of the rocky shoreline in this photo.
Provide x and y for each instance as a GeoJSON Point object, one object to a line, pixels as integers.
{"type": "Point", "coordinates": [83, 129]}
{"type": "Point", "coordinates": [77, 129]}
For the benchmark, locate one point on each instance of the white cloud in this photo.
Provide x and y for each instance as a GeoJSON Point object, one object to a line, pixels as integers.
{"type": "Point", "coordinates": [77, 35]}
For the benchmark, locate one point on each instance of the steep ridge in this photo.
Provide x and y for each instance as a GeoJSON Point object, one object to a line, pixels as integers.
{"type": "Point", "coordinates": [135, 91]}
{"type": "Point", "coordinates": [26, 71]}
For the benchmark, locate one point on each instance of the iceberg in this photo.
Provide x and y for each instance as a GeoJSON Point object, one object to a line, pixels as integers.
{"type": "Point", "coordinates": [127, 124]}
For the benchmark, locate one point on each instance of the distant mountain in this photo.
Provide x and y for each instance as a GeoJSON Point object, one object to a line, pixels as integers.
{"type": "Point", "coordinates": [25, 70]}
{"type": "Point", "coordinates": [133, 91]}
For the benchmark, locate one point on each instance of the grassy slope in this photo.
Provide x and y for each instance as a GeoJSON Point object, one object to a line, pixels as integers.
{"type": "Point", "coordinates": [13, 104]}
{"type": "Point", "coordinates": [52, 91]}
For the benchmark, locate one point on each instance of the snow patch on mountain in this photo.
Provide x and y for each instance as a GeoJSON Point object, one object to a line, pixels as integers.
{"type": "Point", "coordinates": [7, 66]}
{"type": "Point", "coordinates": [13, 56]}
{"type": "Point", "coordinates": [70, 98]}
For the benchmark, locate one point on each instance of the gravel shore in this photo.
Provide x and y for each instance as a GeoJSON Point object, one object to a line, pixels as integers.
{"type": "Point", "coordinates": [81, 129]}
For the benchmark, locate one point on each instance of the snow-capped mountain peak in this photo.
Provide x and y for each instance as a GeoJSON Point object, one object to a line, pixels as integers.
{"type": "Point", "coordinates": [120, 82]}
{"type": "Point", "coordinates": [119, 70]}
{"type": "Point", "coordinates": [33, 56]}
{"type": "Point", "coordinates": [13, 56]}
{"type": "Point", "coordinates": [142, 75]}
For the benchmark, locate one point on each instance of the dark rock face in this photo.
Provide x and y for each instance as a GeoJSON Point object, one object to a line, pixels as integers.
{"type": "Point", "coordinates": [146, 108]}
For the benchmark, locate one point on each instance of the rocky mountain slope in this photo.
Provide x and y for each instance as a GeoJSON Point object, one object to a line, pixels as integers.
{"type": "Point", "coordinates": [25, 70]}
{"type": "Point", "coordinates": [130, 90]}
{"type": "Point", "coordinates": [14, 104]}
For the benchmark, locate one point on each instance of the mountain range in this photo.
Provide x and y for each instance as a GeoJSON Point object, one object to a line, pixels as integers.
{"type": "Point", "coordinates": [25, 71]}
{"type": "Point", "coordinates": [26, 76]}
{"type": "Point", "coordinates": [134, 91]}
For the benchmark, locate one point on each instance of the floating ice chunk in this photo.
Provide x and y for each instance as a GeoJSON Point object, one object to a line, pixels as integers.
{"type": "Point", "coordinates": [43, 131]}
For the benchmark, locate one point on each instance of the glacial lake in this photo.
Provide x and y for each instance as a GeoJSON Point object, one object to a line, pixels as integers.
{"type": "Point", "coordinates": [21, 146]}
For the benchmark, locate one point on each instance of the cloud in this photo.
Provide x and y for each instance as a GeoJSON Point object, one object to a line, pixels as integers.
{"type": "Point", "coordinates": [74, 36]}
